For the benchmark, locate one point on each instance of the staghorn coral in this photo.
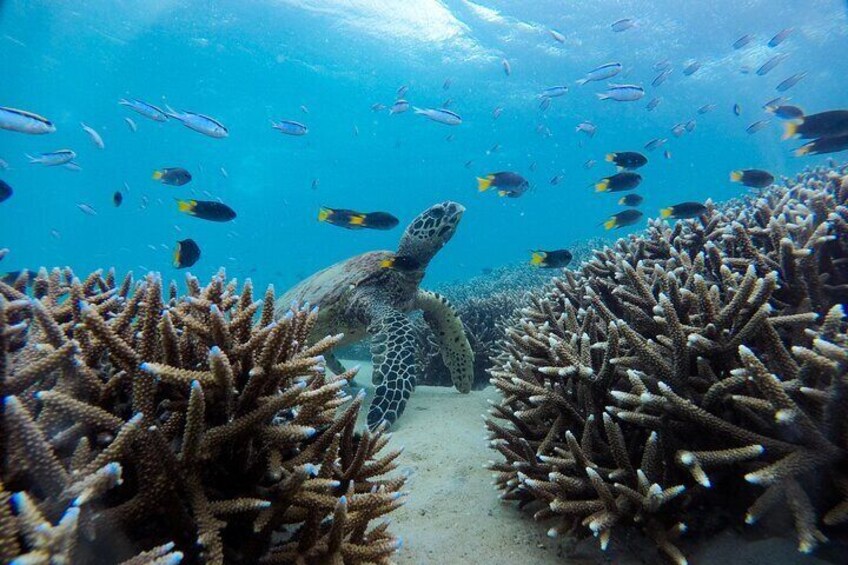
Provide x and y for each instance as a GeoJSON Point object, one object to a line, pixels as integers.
{"type": "Point", "coordinates": [144, 430]}
{"type": "Point", "coordinates": [690, 368]}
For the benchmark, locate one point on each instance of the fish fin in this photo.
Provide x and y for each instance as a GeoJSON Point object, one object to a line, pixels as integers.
{"type": "Point", "coordinates": [602, 186]}
{"type": "Point", "coordinates": [771, 109]}
{"type": "Point", "coordinates": [803, 150]}
{"type": "Point", "coordinates": [581, 81]}
{"type": "Point", "coordinates": [790, 130]}
{"type": "Point", "coordinates": [666, 212]}
{"type": "Point", "coordinates": [602, 96]}
{"type": "Point", "coordinates": [357, 220]}
{"type": "Point", "coordinates": [157, 175]}
{"type": "Point", "coordinates": [485, 183]}
{"type": "Point", "coordinates": [609, 224]}
{"type": "Point", "coordinates": [186, 206]}
{"type": "Point", "coordinates": [610, 157]}
{"type": "Point", "coordinates": [387, 263]}
{"type": "Point", "coordinates": [177, 255]}
{"type": "Point", "coordinates": [31, 158]}
{"type": "Point", "coordinates": [324, 214]}
{"type": "Point", "coordinates": [736, 176]}
{"type": "Point", "coordinates": [621, 200]}
{"type": "Point", "coordinates": [537, 258]}
{"type": "Point", "coordinates": [503, 193]}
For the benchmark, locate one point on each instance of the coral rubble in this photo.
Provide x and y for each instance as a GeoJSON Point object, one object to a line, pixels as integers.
{"type": "Point", "coordinates": [142, 429]}
{"type": "Point", "coordinates": [689, 377]}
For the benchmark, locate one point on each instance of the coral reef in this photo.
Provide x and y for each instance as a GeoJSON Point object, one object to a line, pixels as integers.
{"type": "Point", "coordinates": [689, 377]}
{"type": "Point", "coordinates": [142, 430]}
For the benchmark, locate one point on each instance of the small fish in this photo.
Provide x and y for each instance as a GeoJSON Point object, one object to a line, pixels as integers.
{"type": "Point", "coordinates": [625, 218]}
{"type": "Point", "coordinates": [206, 210]}
{"type": "Point", "coordinates": [743, 41]}
{"type": "Point", "coordinates": [315, 183]}
{"type": "Point", "coordinates": [174, 176]}
{"type": "Point", "coordinates": [5, 191]}
{"type": "Point", "coordinates": [447, 84]}
{"type": "Point", "coordinates": [494, 149]}
{"type": "Point", "coordinates": [22, 121]}
{"type": "Point", "coordinates": [832, 123]}
{"type": "Point", "coordinates": [496, 113]}
{"type": "Point", "coordinates": [469, 163]}
{"type": "Point", "coordinates": [399, 107]}
{"type": "Point", "coordinates": [558, 259]}
{"type": "Point", "coordinates": [404, 263]}
{"type": "Point", "coordinates": [603, 72]}
{"type": "Point", "coordinates": [663, 65]}
{"type": "Point", "coordinates": [401, 91]}
{"type": "Point", "coordinates": [558, 37]}
{"type": "Point", "coordinates": [554, 92]}
{"type": "Point", "coordinates": [791, 81]}
{"type": "Point", "coordinates": [544, 103]}
{"type": "Point", "coordinates": [627, 159]}
{"type": "Point", "coordinates": [589, 164]}
{"type": "Point", "coordinates": [447, 103]}
{"type": "Point", "coordinates": [147, 110]}
{"type": "Point", "coordinates": [355, 130]}
{"type": "Point", "coordinates": [622, 25]}
{"type": "Point", "coordinates": [304, 109]}
{"type": "Point", "coordinates": [224, 173]}
{"type": "Point", "coordinates": [691, 68]}
{"type": "Point", "coordinates": [186, 253]}
{"type": "Point", "coordinates": [690, 125]}
{"type": "Point", "coordinates": [131, 124]}
{"type": "Point", "coordinates": [449, 137]}
{"type": "Point", "coordinates": [706, 108]}
{"type": "Point", "coordinates": [586, 127]}
{"type": "Point", "coordinates": [54, 158]}
{"type": "Point", "coordinates": [95, 137]}
{"type": "Point", "coordinates": [774, 102]}
{"type": "Point", "coordinates": [757, 126]}
{"type": "Point", "coordinates": [823, 145]}
{"type": "Point", "coordinates": [439, 115]}
{"type": "Point", "coordinates": [622, 93]}
{"type": "Point", "coordinates": [737, 109]}
{"type": "Point", "coordinates": [199, 123]}
{"type": "Point", "coordinates": [780, 37]}
{"type": "Point", "coordinates": [630, 200]}
{"type": "Point", "coordinates": [507, 183]}
{"type": "Point", "coordinates": [745, 69]}
{"type": "Point", "coordinates": [87, 209]}
{"type": "Point", "coordinates": [532, 166]}
{"type": "Point", "coordinates": [290, 127]}
{"type": "Point", "coordinates": [352, 220]}
{"type": "Point", "coordinates": [667, 153]}
{"type": "Point", "coordinates": [660, 78]}
{"type": "Point", "coordinates": [377, 107]}
{"type": "Point", "coordinates": [655, 143]}
{"type": "Point", "coordinates": [771, 64]}
{"type": "Point", "coordinates": [755, 178]}
{"type": "Point", "coordinates": [507, 68]}
{"type": "Point", "coordinates": [786, 112]}
{"type": "Point", "coordinates": [678, 130]}
{"type": "Point", "coordinates": [555, 180]}
{"type": "Point", "coordinates": [55, 234]}
{"type": "Point", "coordinates": [683, 210]}
{"type": "Point", "coordinates": [117, 198]}
{"type": "Point", "coordinates": [619, 182]}
{"type": "Point", "coordinates": [653, 104]}
{"type": "Point", "coordinates": [4, 166]}
{"type": "Point", "coordinates": [72, 166]}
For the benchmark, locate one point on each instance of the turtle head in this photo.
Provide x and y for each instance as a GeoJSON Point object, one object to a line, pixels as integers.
{"type": "Point", "coordinates": [430, 231]}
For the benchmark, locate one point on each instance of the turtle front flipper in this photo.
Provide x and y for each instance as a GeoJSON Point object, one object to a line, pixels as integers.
{"type": "Point", "coordinates": [393, 348]}
{"type": "Point", "coordinates": [453, 343]}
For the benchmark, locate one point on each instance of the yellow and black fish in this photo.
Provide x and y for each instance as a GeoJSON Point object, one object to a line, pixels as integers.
{"type": "Point", "coordinates": [619, 182]}
{"type": "Point", "coordinates": [627, 159]}
{"type": "Point", "coordinates": [207, 210]}
{"type": "Point", "coordinates": [625, 218]}
{"type": "Point", "coordinates": [354, 220]}
{"type": "Point", "coordinates": [506, 183]}
{"type": "Point", "coordinates": [823, 145]}
{"type": "Point", "coordinates": [175, 176]}
{"type": "Point", "coordinates": [683, 210]}
{"type": "Point", "coordinates": [401, 263]}
{"type": "Point", "coordinates": [186, 253]}
{"type": "Point", "coordinates": [832, 123]}
{"type": "Point", "coordinates": [557, 259]}
{"type": "Point", "coordinates": [755, 178]}
{"type": "Point", "coordinates": [630, 200]}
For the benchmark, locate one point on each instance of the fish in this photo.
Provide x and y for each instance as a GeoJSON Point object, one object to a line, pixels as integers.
{"type": "Point", "coordinates": [53, 158]}
{"type": "Point", "coordinates": [743, 41]}
{"type": "Point", "coordinates": [557, 259]}
{"type": "Point", "coordinates": [558, 37]}
{"type": "Point", "coordinates": [447, 84]}
{"type": "Point", "coordinates": [555, 180]}
{"type": "Point", "coordinates": [771, 64]}
{"type": "Point", "coordinates": [791, 81]}
{"type": "Point", "coordinates": [589, 164]}
{"type": "Point", "coordinates": [774, 102]}
{"type": "Point", "coordinates": [507, 68]}
{"type": "Point", "coordinates": [667, 154]}
{"type": "Point", "coordinates": [630, 200]}
{"type": "Point", "coordinates": [554, 92]}
{"type": "Point", "coordinates": [174, 176]}
{"type": "Point", "coordinates": [493, 149]}
{"type": "Point", "coordinates": [823, 145]}
{"type": "Point", "coordinates": [304, 109]}
{"type": "Point", "coordinates": [72, 166]}
{"type": "Point", "coordinates": [496, 113]}
{"type": "Point", "coordinates": [603, 72]}
{"type": "Point", "coordinates": [352, 219]}
{"type": "Point", "coordinates": [660, 78]}
{"type": "Point", "coordinates": [447, 103]}
{"type": "Point", "coordinates": [757, 126]}
{"type": "Point", "coordinates": [399, 107]}
{"type": "Point", "coordinates": [532, 166]}
{"type": "Point", "coordinates": [691, 68]}
{"type": "Point", "coordinates": [401, 91]}
{"type": "Point", "coordinates": [95, 137]}
{"type": "Point", "coordinates": [507, 183]}
{"type": "Point", "coordinates": [678, 130]}
{"type": "Point", "coordinates": [653, 104]}
{"type": "Point", "coordinates": [5, 191]}
{"type": "Point", "coordinates": [211, 210]}
{"type": "Point", "coordinates": [622, 93]}
{"type": "Point", "coordinates": [737, 109]}
{"type": "Point", "coordinates": [131, 124]}
{"type": "Point", "coordinates": [622, 25]}
{"type": "Point", "coordinates": [627, 159]}
{"type": "Point", "coordinates": [449, 137]}
{"type": "Point", "coordinates": [315, 183]}
{"type": "Point", "coordinates": [439, 115]}
{"type": "Point", "coordinates": [706, 108]}
{"type": "Point", "coordinates": [404, 263]}
{"type": "Point", "coordinates": [690, 125]}
{"type": "Point", "coordinates": [4, 166]}
{"type": "Point", "coordinates": [117, 198]}
{"type": "Point", "coordinates": [831, 123]}
{"type": "Point", "coordinates": [625, 218]}
{"type": "Point", "coordinates": [355, 130]}
{"type": "Point", "coordinates": [199, 123]}
{"type": "Point", "coordinates": [662, 65]}
{"type": "Point", "coordinates": [22, 121]}
{"type": "Point", "coordinates": [655, 143]}
{"type": "Point", "coordinates": [619, 182]}
{"type": "Point", "coordinates": [4, 251]}
{"type": "Point", "coordinates": [683, 210]}
{"type": "Point", "coordinates": [224, 173]}
{"type": "Point", "coordinates": [469, 163]}
{"type": "Point", "coordinates": [780, 37]}
{"type": "Point", "coordinates": [377, 107]}
{"type": "Point", "coordinates": [147, 110]}
{"type": "Point", "coordinates": [290, 127]}
{"type": "Point", "coordinates": [186, 253]}
{"type": "Point", "coordinates": [87, 209]}
{"type": "Point", "coordinates": [544, 103]}
{"type": "Point", "coordinates": [786, 112]}
{"type": "Point", "coordinates": [755, 178]}
{"type": "Point", "coordinates": [586, 127]}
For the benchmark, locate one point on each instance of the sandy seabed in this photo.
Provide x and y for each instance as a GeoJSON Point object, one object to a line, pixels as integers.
{"type": "Point", "coordinates": [453, 514]}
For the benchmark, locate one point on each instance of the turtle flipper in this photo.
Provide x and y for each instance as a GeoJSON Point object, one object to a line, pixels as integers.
{"type": "Point", "coordinates": [393, 347]}
{"type": "Point", "coordinates": [446, 325]}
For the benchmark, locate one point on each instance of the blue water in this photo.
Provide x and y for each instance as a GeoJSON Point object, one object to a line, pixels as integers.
{"type": "Point", "coordinates": [252, 61]}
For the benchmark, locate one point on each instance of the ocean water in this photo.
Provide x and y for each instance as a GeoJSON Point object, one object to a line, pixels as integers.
{"type": "Point", "coordinates": [249, 62]}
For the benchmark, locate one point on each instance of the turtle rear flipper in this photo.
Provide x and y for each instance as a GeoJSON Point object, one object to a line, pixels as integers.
{"type": "Point", "coordinates": [393, 347]}
{"type": "Point", "coordinates": [453, 344]}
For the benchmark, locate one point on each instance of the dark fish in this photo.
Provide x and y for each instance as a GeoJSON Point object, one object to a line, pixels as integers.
{"type": "Point", "coordinates": [780, 37]}
{"type": "Point", "coordinates": [625, 218]}
{"type": "Point", "coordinates": [175, 176]}
{"type": "Point", "coordinates": [786, 112]}
{"type": "Point", "coordinates": [211, 210]}
{"type": "Point", "coordinates": [117, 198]}
{"type": "Point", "coordinates": [706, 108]}
{"type": "Point", "coordinates": [623, 25]}
{"type": "Point", "coordinates": [771, 64]}
{"type": "Point", "coordinates": [791, 81]}
{"type": "Point", "coordinates": [401, 263]}
{"type": "Point", "coordinates": [692, 68]}
{"type": "Point", "coordinates": [627, 159]}
{"type": "Point", "coordinates": [832, 123]}
{"type": "Point", "coordinates": [667, 154]}
{"type": "Point", "coordinates": [5, 191]}
{"type": "Point", "coordinates": [654, 143]}
{"type": "Point", "coordinates": [754, 178]}
{"type": "Point", "coordinates": [507, 183]}
{"type": "Point", "coordinates": [630, 200]}
{"type": "Point", "coordinates": [660, 78]}
{"type": "Point", "coordinates": [353, 220]}
{"type": "Point", "coordinates": [186, 253]}
{"type": "Point", "coordinates": [619, 182]}
{"type": "Point", "coordinates": [737, 109]}
{"type": "Point", "coordinates": [743, 41]}
{"type": "Point", "coordinates": [558, 259]}
{"type": "Point", "coordinates": [12, 276]}
{"type": "Point", "coordinates": [823, 145]}
{"type": "Point", "coordinates": [683, 210]}
{"type": "Point", "coordinates": [556, 179]}
{"type": "Point", "coordinates": [757, 126]}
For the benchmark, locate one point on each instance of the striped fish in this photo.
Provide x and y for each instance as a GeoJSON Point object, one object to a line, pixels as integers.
{"type": "Point", "coordinates": [147, 110]}
{"type": "Point", "coordinates": [199, 123]}
{"type": "Point", "coordinates": [440, 115]}
{"type": "Point", "coordinates": [24, 122]}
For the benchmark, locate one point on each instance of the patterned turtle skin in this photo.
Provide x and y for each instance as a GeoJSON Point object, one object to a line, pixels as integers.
{"type": "Point", "coordinates": [361, 297]}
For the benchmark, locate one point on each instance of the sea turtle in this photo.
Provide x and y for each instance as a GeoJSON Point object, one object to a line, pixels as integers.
{"type": "Point", "coordinates": [370, 295]}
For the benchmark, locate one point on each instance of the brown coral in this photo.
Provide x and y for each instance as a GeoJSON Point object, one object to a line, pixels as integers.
{"type": "Point", "coordinates": [150, 430]}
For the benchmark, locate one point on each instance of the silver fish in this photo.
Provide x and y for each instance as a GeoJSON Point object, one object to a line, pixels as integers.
{"type": "Point", "coordinates": [622, 93]}
{"type": "Point", "coordinates": [757, 126]}
{"type": "Point", "coordinates": [290, 127]}
{"type": "Point", "coordinates": [95, 137]}
{"type": "Point", "coordinates": [545, 103]}
{"type": "Point", "coordinates": [554, 92]}
{"type": "Point", "coordinates": [586, 127]}
{"type": "Point", "coordinates": [53, 158]}
{"type": "Point", "coordinates": [199, 123]}
{"type": "Point", "coordinates": [224, 173]}
{"type": "Point", "coordinates": [304, 109]}
{"type": "Point", "coordinates": [22, 121]}
{"type": "Point", "coordinates": [678, 130]}
{"type": "Point", "coordinates": [775, 102]}
{"type": "Point", "coordinates": [496, 113]}
{"type": "Point", "coordinates": [439, 115]}
{"type": "Point", "coordinates": [791, 81]}
{"type": "Point", "coordinates": [653, 103]}
{"type": "Point", "coordinates": [589, 164]}
{"type": "Point", "coordinates": [87, 209]}
{"type": "Point", "coordinates": [706, 108]}
{"type": "Point", "coordinates": [447, 84]}
{"type": "Point", "coordinates": [690, 125]}
{"type": "Point", "coordinates": [145, 109]}
{"type": "Point", "coordinates": [558, 37]}
{"type": "Point", "coordinates": [771, 64]}
{"type": "Point", "coordinates": [507, 68]}
{"type": "Point", "coordinates": [402, 90]}
{"type": "Point", "coordinates": [660, 78]}
{"type": "Point", "coordinates": [663, 65]}
{"type": "Point", "coordinates": [376, 107]}
{"type": "Point", "coordinates": [4, 166]}
{"type": "Point", "coordinates": [399, 107]}
{"type": "Point", "coordinates": [780, 37]}
{"type": "Point", "coordinates": [603, 72]}
{"type": "Point", "coordinates": [655, 143]}
{"type": "Point", "coordinates": [72, 166]}
{"type": "Point", "coordinates": [692, 68]}
{"type": "Point", "coordinates": [131, 124]}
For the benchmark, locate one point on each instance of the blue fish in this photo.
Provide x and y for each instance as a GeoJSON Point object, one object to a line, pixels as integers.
{"type": "Point", "coordinates": [439, 115]}
{"type": "Point", "coordinates": [622, 93]}
{"type": "Point", "coordinates": [601, 73]}
{"type": "Point", "coordinates": [199, 123]}
{"type": "Point", "coordinates": [147, 110]}
{"type": "Point", "coordinates": [554, 92]}
{"type": "Point", "coordinates": [290, 127]}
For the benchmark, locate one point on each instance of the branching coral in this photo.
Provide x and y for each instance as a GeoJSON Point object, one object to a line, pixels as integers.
{"type": "Point", "coordinates": [683, 364]}
{"type": "Point", "coordinates": [146, 430]}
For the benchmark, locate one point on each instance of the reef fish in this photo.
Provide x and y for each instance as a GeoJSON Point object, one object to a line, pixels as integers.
{"type": "Point", "coordinates": [557, 259]}
{"type": "Point", "coordinates": [791, 81]}
{"type": "Point", "coordinates": [832, 123]}
{"type": "Point", "coordinates": [290, 127]}
{"type": "Point", "coordinates": [660, 78]}
{"type": "Point", "coordinates": [706, 108]}
{"type": "Point", "coordinates": [691, 68]}
{"type": "Point", "coordinates": [622, 25]}
{"type": "Point", "coordinates": [399, 107]}
{"type": "Point", "coordinates": [627, 159]}
{"type": "Point", "coordinates": [743, 41]}
{"type": "Point", "coordinates": [211, 210]}
{"type": "Point", "coordinates": [755, 178]}
{"type": "Point", "coordinates": [655, 143]}
{"type": "Point", "coordinates": [823, 145]}
{"type": "Point", "coordinates": [401, 263]}
{"type": "Point", "coordinates": [53, 158]}
{"type": "Point", "coordinates": [117, 198]}
{"type": "Point", "coordinates": [653, 104]}
{"type": "Point", "coordinates": [630, 200]}
{"type": "Point", "coordinates": [558, 37]}
{"type": "Point", "coordinates": [186, 253]}
{"type": "Point", "coordinates": [5, 191]}
{"type": "Point", "coordinates": [780, 37]}
{"type": "Point", "coordinates": [586, 127]}
{"type": "Point", "coordinates": [352, 219]}
{"type": "Point", "coordinates": [757, 126]}
{"type": "Point", "coordinates": [625, 218]}
{"type": "Point", "coordinates": [603, 72]}
{"type": "Point", "coordinates": [95, 137]}
{"type": "Point", "coordinates": [771, 64]}
{"type": "Point", "coordinates": [683, 210]}
{"type": "Point", "coordinates": [622, 93]}
{"type": "Point", "coordinates": [786, 112]}
{"type": "Point", "coordinates": [439, 115]}
{"type": "Point", "coordinates": [147, 110]}
{"type": "Point", "coordinates": [507, 68]}
{"type": "Point", "coordinates": [22, 121]}
{"type": "Point", "coordinates": [619, 182]}
{"type": "Point", "coordinates": [507, 183]}
{"type": "Point", "coordinates": [87, 209]}
{"type": "Point", "coordinates": [174, 176]}
{"type": "Point", "coordinates": [199, 123]}
{"type": "Point", "coordinates": [554, 92]}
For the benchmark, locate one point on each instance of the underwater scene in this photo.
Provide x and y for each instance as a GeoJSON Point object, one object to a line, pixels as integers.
{"type": "Point", "coordinates": [423, 281]}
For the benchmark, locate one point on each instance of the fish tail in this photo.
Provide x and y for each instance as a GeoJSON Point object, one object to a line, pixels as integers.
{"type": "Point", "coordinates": [324, 214]}
{"type": "Point", "coordinates": [602, 96]}
{"type": "Point", "coordinates": [157, 175]}
{"type": "Point", "coordinates": [610, 157]}
{"type": "Point", "coordinates": [177, 255]}
{"type": "Point", "coordinates": [621, 200]}
{"type": "Point", "coordinates": [387, 263]}
{"type": "Point", "coordinates": [484, 183]}
{"type": "Point", "coordinates": [803, 150]}
{"type": "Point", "coordinates": [790, 130]}
{"type": "Point", "coordinates": [609, 224]}
{"type": "Point", "coordinates": [357, 220]}
{"type": "Point", "coordinates": [602, 186]}
{"type": "Point", "coordinates": [503, 193]}
{"type": "Point", "coordinates": [417, 110]}
{"type": "Point", "coordinates": [186, 206]}
{"type": "Point", "coordinates": [666, 212]}
{"type": "Point", "coordinates": [31, 158]}
{"type": "Point", "coordinates": [581, 81]}
{"type": "Point", "coordinates": [736, 176]}
{"type": "Point", "coordinates": [537, 258]}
